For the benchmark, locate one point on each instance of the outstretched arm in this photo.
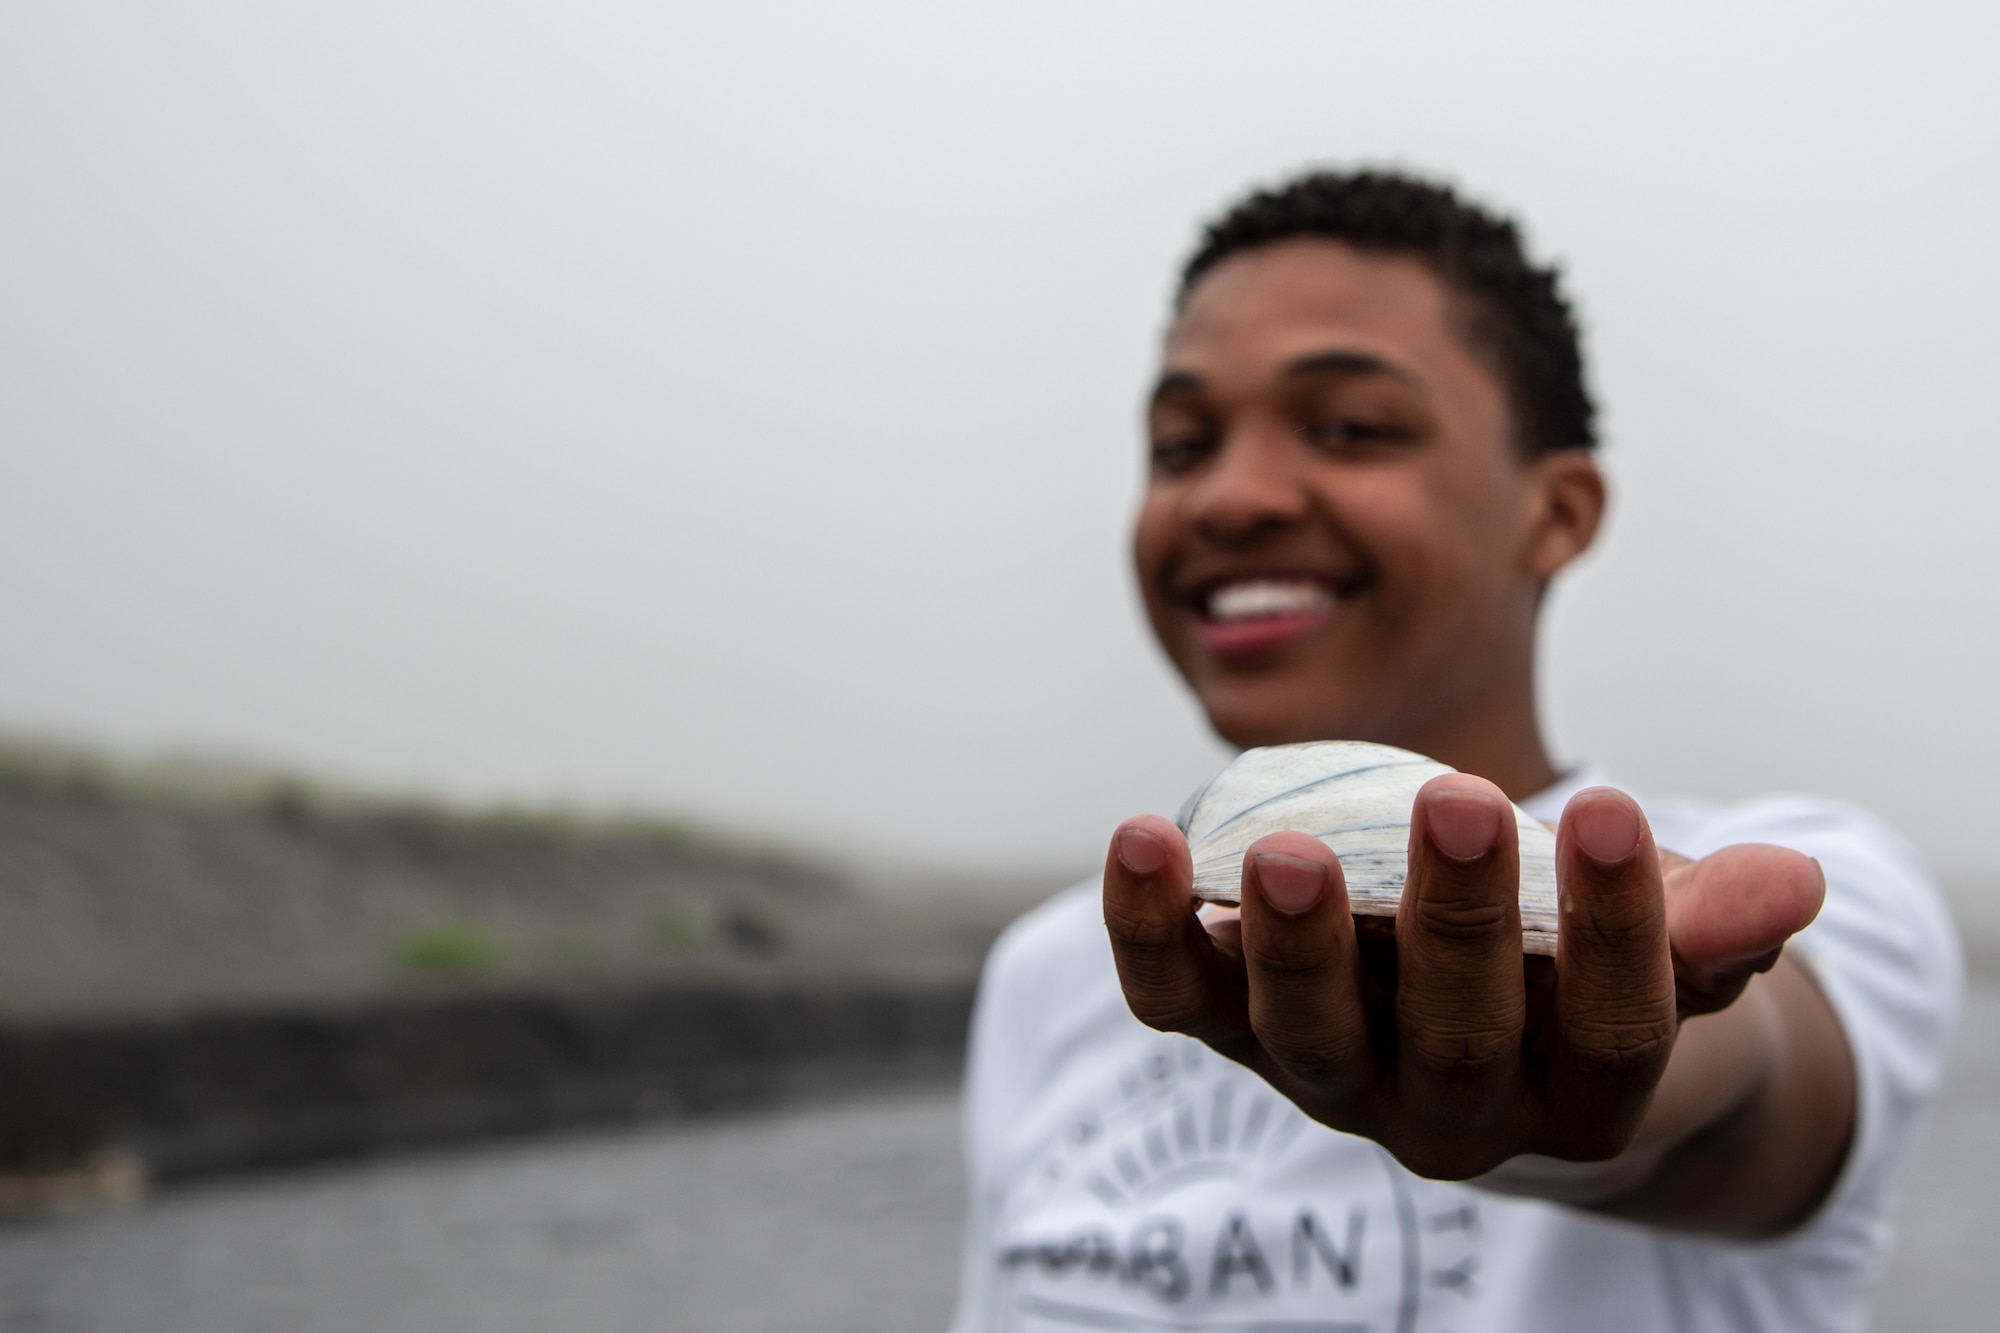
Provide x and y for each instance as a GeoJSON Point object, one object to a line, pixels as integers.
{"type": "Point", "coordinates": [1669, 1065]}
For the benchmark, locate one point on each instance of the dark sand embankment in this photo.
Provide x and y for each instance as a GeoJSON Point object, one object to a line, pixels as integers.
{"type": "Point", "coordinates": [246, 983]}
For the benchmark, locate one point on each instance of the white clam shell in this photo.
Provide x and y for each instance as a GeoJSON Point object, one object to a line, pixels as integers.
{"type": "Point", "coordinates": [1356, 798]}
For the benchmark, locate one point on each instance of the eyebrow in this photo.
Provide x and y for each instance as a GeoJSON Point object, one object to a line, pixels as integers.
{"type": "Point", "coordinates": [1304, 367]}
{"type": "Point", "coordinates": [1349, 363]}
{"type": "Point", "coordinates": [1175, 381]}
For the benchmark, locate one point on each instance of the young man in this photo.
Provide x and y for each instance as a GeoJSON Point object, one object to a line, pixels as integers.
{"type": "Point", "coordinates": [1371, 450]}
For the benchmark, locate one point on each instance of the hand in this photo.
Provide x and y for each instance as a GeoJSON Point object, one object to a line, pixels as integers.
{"type": "Point", "coordinates": [1441, 1041]}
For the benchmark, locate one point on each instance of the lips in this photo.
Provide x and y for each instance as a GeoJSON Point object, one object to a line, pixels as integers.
{"type": "Point", "coordinates": [1249, 613]}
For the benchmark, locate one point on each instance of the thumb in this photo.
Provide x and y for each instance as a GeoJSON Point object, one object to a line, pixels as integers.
{"type": "Point", "coordinates": [1729, 915]}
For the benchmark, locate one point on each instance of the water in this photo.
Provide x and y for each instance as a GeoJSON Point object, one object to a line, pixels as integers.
{"type": "Point", "coordinates": [839, 1218]}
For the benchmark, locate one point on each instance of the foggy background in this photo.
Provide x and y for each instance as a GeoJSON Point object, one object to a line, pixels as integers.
{"type": "Point", "coordinates": [735, 409]}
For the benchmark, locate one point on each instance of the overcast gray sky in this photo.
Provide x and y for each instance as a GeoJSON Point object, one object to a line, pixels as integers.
{"type": "Point", "coordinates": [735, 409]}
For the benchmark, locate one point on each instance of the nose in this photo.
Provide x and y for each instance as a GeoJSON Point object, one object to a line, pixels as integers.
{"type": "Point", "coordinates": [1252, 487]}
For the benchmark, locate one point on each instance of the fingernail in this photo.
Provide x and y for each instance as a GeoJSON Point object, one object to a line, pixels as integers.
{"type": "Point", "coordinates": [1291, 884]}
{"type": "Point", "coordinates": [1140, 852]}
{"type": "Point", "coordinates": [1607, 831]}
{"type": "Point", "coordinates": [1463, 825]}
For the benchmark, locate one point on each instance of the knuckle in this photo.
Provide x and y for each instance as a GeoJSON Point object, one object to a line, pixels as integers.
{"type": "Point", "coordinates": [1458, 1041]}
{"type": "Point", "coordinates": [1137, 930]}
{"type": "Point", "coordinates": [1287, 962]}
{"type": "Point", "coordinates": [1620, 930]}
{"type": "Point", "coordinates": [1162, 985]}
{"type": "Point", "coordinates": [1166, 1007]}
{"type": "Point", "coordinates": [1467, 920]}
{"type": "Point", "coordinates": [1613, 1043]}
{"type": "Point", "coordinates": [1324, 1057]}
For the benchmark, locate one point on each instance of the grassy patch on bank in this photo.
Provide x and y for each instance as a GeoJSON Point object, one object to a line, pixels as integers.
{"type": "Point", "coordinates": [447, 950]}
{"type": "Point", "coordinates": [680, 927]}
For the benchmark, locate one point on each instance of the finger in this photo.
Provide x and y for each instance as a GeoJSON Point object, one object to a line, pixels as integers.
{"type": "Point", "coordinates": [1614, 1007]}
{"type": "Point", "coordinates": [1303, 968]}
{"type": "Point", "coordinates": [1173, 976]}
{"type": "Point", "coordinates": [1460, 1003]}
{"type": "Point", "coordinates": [1729, 915]}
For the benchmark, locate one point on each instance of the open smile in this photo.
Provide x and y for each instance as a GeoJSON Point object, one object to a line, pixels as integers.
{"type": "Point", "coordinates": [1247, 614]}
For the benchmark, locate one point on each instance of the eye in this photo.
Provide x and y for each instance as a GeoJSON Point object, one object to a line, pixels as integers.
{"type": "Point", "coordinates": [1177, 451]}
{"type": "Point", "coordinates": [1352, 434]}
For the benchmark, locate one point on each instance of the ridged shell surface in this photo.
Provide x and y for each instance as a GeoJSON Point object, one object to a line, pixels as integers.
{"type": "Point", "coordinates": [1356, 798]}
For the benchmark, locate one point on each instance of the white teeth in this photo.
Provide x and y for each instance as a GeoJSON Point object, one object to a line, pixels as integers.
{"type": "Point", "coordinates": [1256, 598]}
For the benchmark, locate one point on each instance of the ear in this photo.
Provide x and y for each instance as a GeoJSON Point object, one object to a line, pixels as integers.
{"type": "Point", "coordinates": [1568, 499]}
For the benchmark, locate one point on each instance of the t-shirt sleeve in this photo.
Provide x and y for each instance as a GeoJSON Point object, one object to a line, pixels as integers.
{"type": "Point", "coordinates": [1885, 953]}
{"type": "Point", "coordinates": [974, 1135]}
{"type": "Point", "coordinates": [1001, 1073]}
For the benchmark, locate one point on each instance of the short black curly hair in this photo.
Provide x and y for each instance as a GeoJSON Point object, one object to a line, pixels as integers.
{"type": "Point", "coordinates": [1516, 312]}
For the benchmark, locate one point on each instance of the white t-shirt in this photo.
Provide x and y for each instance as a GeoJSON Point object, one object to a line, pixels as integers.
{"type": "Point", "coordinates": [1127, 1179]}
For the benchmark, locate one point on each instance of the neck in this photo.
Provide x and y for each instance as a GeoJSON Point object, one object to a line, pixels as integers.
{"type": "Point", "coordinates": [1506, 752]}
{"type": "Point", "coordinates": [1497, 736]}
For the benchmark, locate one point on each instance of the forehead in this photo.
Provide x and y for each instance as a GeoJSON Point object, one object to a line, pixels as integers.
{"type": "Point", "coordinates": [1264, 308]}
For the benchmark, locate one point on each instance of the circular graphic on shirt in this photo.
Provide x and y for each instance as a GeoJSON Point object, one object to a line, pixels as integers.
{"type": "Point", "coordinates": [1179, 1192]}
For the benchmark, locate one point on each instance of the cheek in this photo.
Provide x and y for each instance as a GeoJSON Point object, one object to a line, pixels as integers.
{"type": "Point", "coordinates": [1400, 529]}
{"type": "Point", "coordinates": [1152, 539]}
{"type": "Point", "coordinates": [1152, 546]}
{"type": "Point", "coordinates": [1474, 562]}
{"type": "Point", "coordinates": [1435, 553]}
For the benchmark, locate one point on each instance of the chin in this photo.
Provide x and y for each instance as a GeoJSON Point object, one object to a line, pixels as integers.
{"type": "Point", "coordinates": [1283, 708]}
{"type": "Point", "coordinates": [1265, 717]}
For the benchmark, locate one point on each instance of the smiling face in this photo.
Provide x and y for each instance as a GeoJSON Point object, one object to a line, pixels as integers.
{"type": "Point", "coordinates": [1340, 538]}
